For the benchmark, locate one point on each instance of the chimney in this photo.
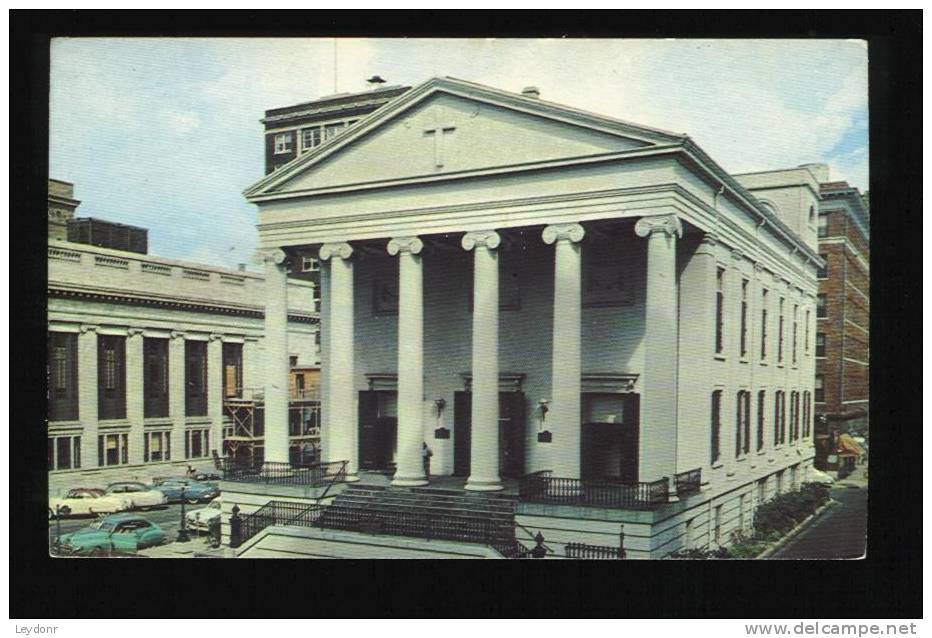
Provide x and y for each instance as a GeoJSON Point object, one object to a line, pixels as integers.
{"type": "Point", "coordinates": [530, 91]}
{"type": "Point", "coordinates": [241, 267]}
{"type": "Point", "coordinates": [819, 171]}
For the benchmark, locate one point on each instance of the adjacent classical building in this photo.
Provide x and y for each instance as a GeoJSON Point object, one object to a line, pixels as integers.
{"type": "Point", "coordinates": [555, 298]}
{"type": "Point", "coordinates": [144, 352]}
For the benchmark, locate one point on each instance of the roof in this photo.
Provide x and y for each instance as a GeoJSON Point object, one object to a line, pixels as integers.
{"type": "Point", "coordinates": [860, 211]}
{"type": "Point", "coordinates": [338, 102]}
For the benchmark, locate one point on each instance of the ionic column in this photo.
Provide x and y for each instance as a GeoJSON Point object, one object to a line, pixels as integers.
{"type": "Point", "coordinates": [339, 401]}
{"type": "Point", "coordinates": [409, 463]}
{"type": "Point", "coordinates": [87, 394]}
{"type": "Point", "coordinates": [275, 362]}
{"type": "Point", "coordinates": [566, 371]}
{"type": "Point", "coordinates": [659, 378]}
{"type": "Point", "coordinates": [135, 394]}
{"type": "Point", "coordinates": [214, 392]}
{"type": "Point", "coordinates": [484, 469]}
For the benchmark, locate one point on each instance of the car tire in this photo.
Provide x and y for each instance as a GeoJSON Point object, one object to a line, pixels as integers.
{"type": "Point", "coordinates": [193, 501]}
{"type": "Point", "coordinates": [64, 511]}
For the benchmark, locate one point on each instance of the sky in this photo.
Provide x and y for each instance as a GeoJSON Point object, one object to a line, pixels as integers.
{"type": "Point", "coordinates": [164, 132]}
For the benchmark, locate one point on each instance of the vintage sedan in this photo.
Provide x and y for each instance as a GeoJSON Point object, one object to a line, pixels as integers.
{"type": "Point", "coordinates": [140, 495]}
{"type": "Point", "coordinates": [122, 532]}
{"type": "Point", "coordinates": [200, 519]}
{"type": "Point", "coordinates": [178, 489]}
{"type": "Point", "coordinates": [81, 501]}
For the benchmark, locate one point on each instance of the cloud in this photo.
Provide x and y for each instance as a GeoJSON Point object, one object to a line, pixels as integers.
{"type": "Point", "coordinates": [165, 133]}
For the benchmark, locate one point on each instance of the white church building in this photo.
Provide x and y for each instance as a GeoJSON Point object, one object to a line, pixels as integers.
{"type": "Point", "coordinates": [588, 309]}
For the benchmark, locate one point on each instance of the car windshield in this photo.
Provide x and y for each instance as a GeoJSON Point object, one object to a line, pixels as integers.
{"type": "Point", "coordinates": [102, 525]}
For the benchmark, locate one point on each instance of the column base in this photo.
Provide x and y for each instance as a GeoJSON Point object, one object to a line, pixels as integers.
{"type": "Point", "coordinates": [410, 481]}
{"type": "Point", "coordinates": [480, 485]}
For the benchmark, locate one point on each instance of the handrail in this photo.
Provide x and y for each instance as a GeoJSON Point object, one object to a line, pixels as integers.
{"type": "Point", "coordinates": [542, 487]}
{"type": "Point", "coordinates": [310, 474]}
{"type": "Point", "coordinates": [688, 482]}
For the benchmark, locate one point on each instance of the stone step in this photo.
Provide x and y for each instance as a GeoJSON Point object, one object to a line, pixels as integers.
{"type": "Point", "coordinates": [423, 510]}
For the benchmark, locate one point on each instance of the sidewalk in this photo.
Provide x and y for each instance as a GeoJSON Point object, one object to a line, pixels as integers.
{"type": "Point", "coordinates": [176, 550]}
{"type": "Point", "coordinates": [857, 478]}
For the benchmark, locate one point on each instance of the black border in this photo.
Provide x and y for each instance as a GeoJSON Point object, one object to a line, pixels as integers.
{"type": "Point", "coordinates": [887, 584]}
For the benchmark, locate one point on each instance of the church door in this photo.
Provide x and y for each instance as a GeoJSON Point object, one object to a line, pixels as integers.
{"type": "Point", "coordinates": [378, 425]}
{"type": "Point", "coordinates": [511, 433]}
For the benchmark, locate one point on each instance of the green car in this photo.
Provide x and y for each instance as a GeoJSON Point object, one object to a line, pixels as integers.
{"type": "Point", "coordinates": [124, 533]}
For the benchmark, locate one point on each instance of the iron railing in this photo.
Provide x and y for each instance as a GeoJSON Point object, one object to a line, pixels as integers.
{"type": "Point", "coordinates": [585, 551]}
{"type": "Point", "coordinates": [542, 487]}
{"type": "Point", "coordinates": [311, 474]}
{"type": "Point", "coordinates": [242, 528]}
{"type": "Point", "coordinates": [688, 482]}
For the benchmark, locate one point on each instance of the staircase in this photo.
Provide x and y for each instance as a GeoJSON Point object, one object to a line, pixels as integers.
{"type": "Point", "coordinates": [427, 513]}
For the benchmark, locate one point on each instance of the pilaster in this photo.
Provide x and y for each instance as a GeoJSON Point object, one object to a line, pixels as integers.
{"type": "Point", "coordinates": [135, 394]}
{"type": "Point", "coordinates": [214, 393]}
{"type": "Point", "coordinates": [87, 394]}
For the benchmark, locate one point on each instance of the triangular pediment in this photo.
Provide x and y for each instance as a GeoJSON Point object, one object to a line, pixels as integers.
{"type": "Point", "coordinates": [450, 127]}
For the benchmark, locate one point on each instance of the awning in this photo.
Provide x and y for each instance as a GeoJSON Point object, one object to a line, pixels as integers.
{"type": "Point", "coordinates": [847, 446]}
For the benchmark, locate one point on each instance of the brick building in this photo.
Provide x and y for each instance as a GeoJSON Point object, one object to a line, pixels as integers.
{"type": "Point", "coordinates": [843, 310]}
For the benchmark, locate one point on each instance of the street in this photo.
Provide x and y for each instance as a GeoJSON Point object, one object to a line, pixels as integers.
{"type": "Point", "coordinates": [168, 517]}
{"type": "Point", "coordinates": [840, 532]}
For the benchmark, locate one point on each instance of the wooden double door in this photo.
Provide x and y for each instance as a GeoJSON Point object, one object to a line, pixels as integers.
{"type": "Point", "coordinates": [378, 428]}
{"type": "Point", "coordinates": [511, 433]}
{"type": "Point", "coordinates": [610, 450]}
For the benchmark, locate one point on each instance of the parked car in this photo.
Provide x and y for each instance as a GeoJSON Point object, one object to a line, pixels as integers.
{"type": "Point", "coordinates": [140, 495]}
{"type": "Point", "coordinates": [194, 491]}
{"type": "Point", "coordinates": [200, 519]}
{"type": "Point", "coordinates": [819, 477]}
{"type": "Point", "coordinates": [122, 532]}
{"type": "Point", "coordinates": [84, 500]}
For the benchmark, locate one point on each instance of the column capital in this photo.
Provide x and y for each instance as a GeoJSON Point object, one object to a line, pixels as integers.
{"type": "Point", "coordinates": [412, 245]}
{"type": "Point", "coordinates": [85, 328]}
{"type": "Point", "coordinates": [272, 255]}
{"type": "Point", "coordinates": [670, 224]}
{"type": "Point", "coordinates": [176, 334]}
{"type": "Point", "coordinates": [215, 337]}
{"type": "Point", "coordinates": [134, 332]}
{"type": "Point", "coordinates": [488, 238]}
{"type": "Point", "coordinates": [563, 232]}
{"type": "Point", "coordinates": [341, 249]}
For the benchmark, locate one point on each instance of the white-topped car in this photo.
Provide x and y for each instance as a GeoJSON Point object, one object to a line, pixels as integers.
{"type": "Point", "coordinates": [83, 500]}
{"type": "Point", "coordinates": [140, 495]}
{"type": "Point", "coordinates": [200, 519]}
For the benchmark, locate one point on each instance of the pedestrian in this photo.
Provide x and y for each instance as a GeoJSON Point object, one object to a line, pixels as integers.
{"type": "Point", "coordinates": [426, 454]}
{"type": "Point", "coordinates": [191, 473]}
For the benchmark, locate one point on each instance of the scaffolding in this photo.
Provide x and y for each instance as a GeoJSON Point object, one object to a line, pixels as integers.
{"type": "Point", "coordinates": [244, 433]}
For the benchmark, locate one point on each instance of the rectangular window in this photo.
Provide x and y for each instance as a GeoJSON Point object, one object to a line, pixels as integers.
{"type": "Point", "coordinates": [821, 307]}
{"type": "Point", "coordinates": [742, 423]}
{"type": "Point", "coordinates": [111, 377]}
{"type": "Point", "coordinates": [780, 333]}
{"type": "Point", "coordinates": [196, 444]}
{"type": "Point", "coordinates": [310, 137]}
{"type": "Point", "coordinates": [155, 378]}
{"type": "Point", "coordinates": [232, 370]}
{"type": "Point", "coordinates": [744, 318]}
{"type": "Point", "coordinates": [718, 524]}
{"type": "Point", "coordinates": [807, 413]}
{"type": "Point", "coordinates": [820, 344]}
{"type": "Point", "coordinates": [782, 417]}
{"type": "Point", "coordinates": [157, 446]}
{"type": "Point", "coordinates": [778, 408]}
{"type": "Point", "coordinates": [795, 332]}
{"type": "Point", "coordinates": [742, 517]}
{"type": "Point", "coordinates": [195, 378]}
{"type": "Point", "coordinates": [112, 449]}
{"type": "Point", "coordinates": [63, 376]}
{"type": "Point", "coordinates": [716, 425]}
{"type": "Point", "coordinates": [796, 416]}
{"type": "Point", "coordinates": [794, 404]}
{"type": "Point", "coordinates": [719, 310]}
{"type": "Point", "coordinates": [806, 340]}
{"type": "Point", "coordinates": [823, 225]}
{"type": "Point", "coordinates": [761, 397]}
{"type": "Point", "coordinates": [763, 325]}
{"type": "Point", "coordinates": [819, 388]}
{"type": "Point", "coordinates": [332, 130]}
{"type": "Point", "coordinates": [780, 482]}
{"type": "Point", "coordinates": [65, 453]}
{"type": "Point", "coordinates": [283, 143]}
{"type": "Point", "coordinates": [761, 491]}
{"type": "Point", "coordinates": [309, 264]}
{"type": "Point", "coordinates": [822, 271]}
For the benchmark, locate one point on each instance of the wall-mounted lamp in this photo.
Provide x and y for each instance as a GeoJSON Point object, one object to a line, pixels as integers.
{"type": "Point", "coordinates": [439, 403]}
{"type": "Point", "coordinates": [440, 432]}
{"type": "Point", "coordinates": [544, 436]}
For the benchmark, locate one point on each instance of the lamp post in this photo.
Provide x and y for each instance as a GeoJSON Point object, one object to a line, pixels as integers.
{"type": "Point", "coordinates": [57, 527]}
{"type": "Point", "coordinates": [183, 530]}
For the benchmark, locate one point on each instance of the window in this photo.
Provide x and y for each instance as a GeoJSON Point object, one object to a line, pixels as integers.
{"type": "Point", "coordinates": [779, 417]}
{"type": "Point", "coordinates": [315, 296]}
{"type": "Point", "coordinates": [332, 130]}
{"type": "Point", "coordinates": [780, 482]}
{"type": "Point", "coordinates": [155, 378]}
{"type": "Point", "coordinates": [112, 449]}
{"type": "Point", "coordinates": [793, 476]}
{"type": "Point", "coordinates": [309, 264]}
{"type": "Point", "coordinates": [718, 524]}
{"type": "Point", "coordinates": [716, 425]}
{"type": "Point", "coordinates": [811, 214]}
{"type": "Point", "coordinates": [794, 415]}
{"type": "Point", "coordinates": [690, 542]}
{"type": "Point", "coordinates": [819, 393]}
{"type": "Point", "coordinates": [744, 318]}
{"type": "Point", "coordinates": [761, 396]}
{"type": "Point", "coordinates": [780, 333]}
{"type": "Point", "coordinates": [763, 325]}
{"type": "Point", "coordinates": [64, 453]}
{"type": "Point", "coordinates": [157, 446]}
{"type": "Point", "coordinates": [283, 143]}
{"type": "Point", "coordinates": [782, 417]}
{"type": "Point", "coordinates": [232, 369]}
{"type": "Point", "coordinates": [196, 444]}
{"type": "Point", "coordinates": [795, 332]}
{"type": "Point", "coordinates": [823, 225]}
{"type": "Point", "coordinates": [719, 310]}
{"type": "Point", "coordinates": [293, 361]}
{"type": "Point", "coordinates": [742, 516]}
{"type": "Point", "coordinates": [821, 308]}
{"type": "Point", "coordinates": [63, 376]}
{"type": "Point", "coordinates": [111, 377]}
{"type": "Point", "coordinates": [743, 423]}
{"type": "Point", "coordinates": [822, 271]}
{"type": "Point", "coordinates": [195, 378]}
{"type": "Point", "coordinates": [806, 340]}
{"type": "Point", "coordinates": [807, 413]}
{"type": "Point", "coordinates": [310, 137]}
{"type": "Point", "coordinates": [820, 344]}
{"type": "Point", "coordinates": [761, 491]}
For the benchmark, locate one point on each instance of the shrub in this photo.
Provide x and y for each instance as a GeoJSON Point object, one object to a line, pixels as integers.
{"type": "Point", "coordinates": [700, 554]}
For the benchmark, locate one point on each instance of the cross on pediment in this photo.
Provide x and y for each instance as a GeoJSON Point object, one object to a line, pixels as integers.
{"type": "Point", "coordinates": [438, 130]}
